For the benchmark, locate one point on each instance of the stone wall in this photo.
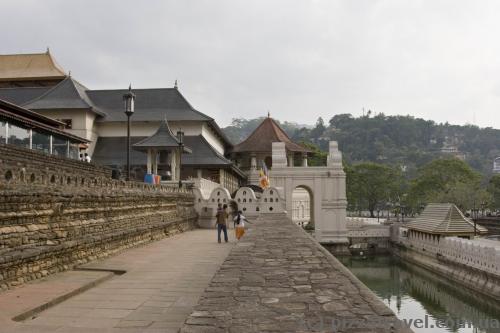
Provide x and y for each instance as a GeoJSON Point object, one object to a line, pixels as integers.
{"type": "Point", "coordinates": [49, 226]}
{"type": "Point", "coordinates": [25, 166]}
{"type": "Point", "coordinates": [279, 279]}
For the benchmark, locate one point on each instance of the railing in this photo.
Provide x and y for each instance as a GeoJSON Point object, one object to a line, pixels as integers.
{"type": "Point", "coordinates": [206, 186]}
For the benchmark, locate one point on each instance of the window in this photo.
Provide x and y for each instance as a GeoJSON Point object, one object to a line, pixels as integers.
{"type": "Point", "coordinates": [19, 136]}
{"type": "Point", "coordinates": [59, 146]}
{"type": "Point", "coordinates": [3, 129]}
{"type": "Point", "coordinates": [41, 141]}
{"type": "Point", "coordinates": [68, 123]}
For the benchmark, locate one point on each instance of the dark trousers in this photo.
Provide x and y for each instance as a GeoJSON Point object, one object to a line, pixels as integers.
{"type": "Point", "coordinates": [219, 228]}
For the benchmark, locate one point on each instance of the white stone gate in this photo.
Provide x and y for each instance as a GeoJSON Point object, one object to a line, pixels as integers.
{"type": "Point", "coordinates": [326, 187]}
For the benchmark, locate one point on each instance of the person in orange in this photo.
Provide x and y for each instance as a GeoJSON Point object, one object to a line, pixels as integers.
{"type": "Point", "coordinates": [239, 223]}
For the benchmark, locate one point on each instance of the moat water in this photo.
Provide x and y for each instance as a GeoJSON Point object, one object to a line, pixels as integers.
{"type": "Point", "coordinates": [424, 300]}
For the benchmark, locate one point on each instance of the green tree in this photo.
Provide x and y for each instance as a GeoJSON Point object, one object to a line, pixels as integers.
{"type": "Point", "coordinates": [494, 191]}
{"type": "Point", "coordinates": [371, 184]}
{"type": "Point", "coordinates": [446, 180]}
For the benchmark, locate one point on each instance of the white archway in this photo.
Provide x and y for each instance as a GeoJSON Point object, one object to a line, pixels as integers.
{"type": "Point", "coordinates": [326, 186]}
{"type": "Point", "coordinates": [302, 202]}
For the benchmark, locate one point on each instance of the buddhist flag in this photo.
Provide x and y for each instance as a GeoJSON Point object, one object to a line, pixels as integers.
{"type": "Point", "coordinates": [264, 176]}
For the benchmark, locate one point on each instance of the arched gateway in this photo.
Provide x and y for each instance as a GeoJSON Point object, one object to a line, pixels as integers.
{"type": "Point", "coordinates": [270, 147]}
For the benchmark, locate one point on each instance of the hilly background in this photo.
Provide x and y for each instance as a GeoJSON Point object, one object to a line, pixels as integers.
{"type": "Point", "coordinates": [395, 140]}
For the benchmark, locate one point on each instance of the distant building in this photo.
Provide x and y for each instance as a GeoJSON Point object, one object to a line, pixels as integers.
{"type": "Point", "coordinates": [496, 165]}
{"type": "Point", "coordinates": [256, 150]}
{"type": "Point", "coordinates": [440, 220]}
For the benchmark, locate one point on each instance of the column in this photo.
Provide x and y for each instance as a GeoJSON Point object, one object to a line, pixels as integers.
{"type": "Point", "coordinates": [290, 160]}
{"type": "Point", "coordinates": [304, 160]}
{"type": "Point", "coordinates": [178, 165]}
{"type": "Point", "coordinates": [148, 163]}
{"type": "Point", "coordinates": [253, 162]}
{"type": "Point", "coordinates": [154, 156]}
{"type": "Point", "coordinates": [50, 144]}
{"type": "Point", "coordinates": [31, 140]}
{"type": "Point", "coordinates": [173, 164]}
{"type": "Point", "coordinates": [199, 173]}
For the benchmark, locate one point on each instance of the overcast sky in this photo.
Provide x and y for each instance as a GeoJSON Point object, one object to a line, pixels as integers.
{"type": "Point", "coordinates": [433, 59]}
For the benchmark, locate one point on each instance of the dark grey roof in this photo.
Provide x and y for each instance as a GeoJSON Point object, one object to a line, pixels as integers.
{"type": "Point", "coordinates": [69, 94]}
{"type": "Point", "coordinates": [203, 153]}
{"type": "Point", "coordinates": [21, 95]}
{"type": "Point", "coordinates": [150, 105]}
{"type": "Point", "coordinates": [162, 138]}
{"type": "Point", "coordinates": [112, 151]}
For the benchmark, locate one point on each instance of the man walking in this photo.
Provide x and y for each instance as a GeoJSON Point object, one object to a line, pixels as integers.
{"type": "Point", "coordinates": [222, 216]}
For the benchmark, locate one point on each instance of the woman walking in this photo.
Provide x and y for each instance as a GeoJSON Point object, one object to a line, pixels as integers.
{"type": "Point", "coordinates": [239, 225]}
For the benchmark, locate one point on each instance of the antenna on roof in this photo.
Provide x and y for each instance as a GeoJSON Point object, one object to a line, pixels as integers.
{"type": "Point", "coordinates": [130, 87]}
{"type": "Point", "coordinates": [175, 84]}
{"type": "Point", "coordinates": [268, 114]}
{"type": "Point", "coordinates": [69, 73]}
{"type": "Point", "coordinates": [48, 51]}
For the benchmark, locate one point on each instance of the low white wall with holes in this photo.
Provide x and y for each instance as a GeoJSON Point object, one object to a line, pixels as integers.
{"type": "Point", "coordinates": [250, 203]}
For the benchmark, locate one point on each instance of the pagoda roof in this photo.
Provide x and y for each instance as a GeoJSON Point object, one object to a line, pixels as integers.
{"type": "Point", "coordinates": [68, 94]}
{"type": "Point", "coordinates": [264, 135]}
{"type": "Point", "coordinates": [24, 67]}
{"type": "Point", "coordinates": [444, 219]}
{"type": "Point", "coordinates": [162, 138]}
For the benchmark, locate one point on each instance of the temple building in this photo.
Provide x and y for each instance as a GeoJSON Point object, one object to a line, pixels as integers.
{"type": "Point", "coordinates": [29, 130]}
{"type": "Point", "coordinates": [36, 82]}
{"type": "Point", "coordinates": [256, 150]}
{"type": "Point", "coordinates": [437, 221]}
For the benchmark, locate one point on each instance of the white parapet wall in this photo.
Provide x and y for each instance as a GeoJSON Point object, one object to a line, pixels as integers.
{"type": "Point", "coordinates": [480, 254]}
{"type": "Point", "coordinates": [250, 203]}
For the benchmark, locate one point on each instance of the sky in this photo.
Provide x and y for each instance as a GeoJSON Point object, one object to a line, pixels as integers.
{"type": "Point", "coordinates": [299, 60]}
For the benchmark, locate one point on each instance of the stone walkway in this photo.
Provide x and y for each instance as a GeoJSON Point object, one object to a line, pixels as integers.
{"type": "Point", "coordinates": [162, 283]}
{"type": "Point", "coordinates": [278, 279]}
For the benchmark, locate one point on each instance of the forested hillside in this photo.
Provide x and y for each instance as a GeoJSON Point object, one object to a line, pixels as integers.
{"type": "Point", "coordinates": [395, 140]}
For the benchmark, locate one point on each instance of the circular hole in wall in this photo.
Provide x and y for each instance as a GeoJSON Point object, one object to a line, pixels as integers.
{"type": "Point", "coordinates": [271, 208]}
{"type": "Point", "coordinates": [244, 208]}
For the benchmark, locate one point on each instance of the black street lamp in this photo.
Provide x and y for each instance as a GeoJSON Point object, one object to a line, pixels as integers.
{"type": "Point", "coordinates": [180, 138]}
{"type": "Point", "coordinates": [129, 99]}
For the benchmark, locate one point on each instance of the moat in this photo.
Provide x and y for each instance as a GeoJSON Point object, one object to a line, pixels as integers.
{"type": "Point", "coordinates": [414, 293]}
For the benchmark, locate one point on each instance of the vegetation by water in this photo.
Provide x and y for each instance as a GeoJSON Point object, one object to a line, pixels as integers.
{"type": "Point", "coordinates": [415, 293]}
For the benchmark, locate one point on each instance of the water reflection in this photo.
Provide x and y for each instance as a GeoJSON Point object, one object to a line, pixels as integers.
{"type": "Point", "coordinates": [414, 293]}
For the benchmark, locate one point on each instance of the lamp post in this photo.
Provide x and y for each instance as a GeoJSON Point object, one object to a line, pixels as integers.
{"type": "Point", "coordinates": [129, 99]}
{"type": "Point", "coordinates": [180, 138]}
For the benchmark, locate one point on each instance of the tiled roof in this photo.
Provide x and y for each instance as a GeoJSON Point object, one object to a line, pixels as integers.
{"type": "Point", "coordinates": [444, 219]}
{"type": "Point", "coordinates": [264, 135]}
{"type": "Point", "coordinates": [112, 151]}
{"type": "Point", "coordinates": [19, 67]}
{"type": "Point", "coordinates": [68, 94]}
{"type": "Point", "coordinates": [150, 105]}
{"type": "Point", "coordinates": [162, 138]}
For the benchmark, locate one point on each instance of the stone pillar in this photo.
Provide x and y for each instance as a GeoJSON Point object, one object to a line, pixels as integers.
{"type": "Point", "coordinates": [173, 164]}
{"type": "Point", "coordinates": [178, 164]}
{"type": "Point", "coordinates": [331, 228]}
{"type": "Point", "coordinates": [199, 173]}
{"type": "Point", "coordinates": [148, 162]}
{"type": "Point", "coordinates": [154, 156]}
{"type": "Point", "coordinates": [279, 155]}
{"type": "Point", "coordinates": [253, 162]}
{"type": "Point", "coordinates": [290, 160]}
{"type": "Point", "coordinates": [304, 160]}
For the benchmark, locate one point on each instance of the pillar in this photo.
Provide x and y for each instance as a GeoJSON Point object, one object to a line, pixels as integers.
{"type": "Point", "coordinates": [173, 164]}
{"type": "Point", "coordinates": [253, 162]}
{"type": "Point", "coordinates": [148, 163]}
{"type": "Point", "coordinates": [178, 164]}
{"type": "Point", "coordinates": [199, 173]}
{"type": "Point", "coordinates": [290, 160]}
{"type": "Point", "coordinates": [304, 160]}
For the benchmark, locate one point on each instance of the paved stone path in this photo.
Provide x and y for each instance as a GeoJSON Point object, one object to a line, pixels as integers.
{"type": "Point", "coordinates": [278, 279]}
{"type": "Point", "coordinates": [162, 283]}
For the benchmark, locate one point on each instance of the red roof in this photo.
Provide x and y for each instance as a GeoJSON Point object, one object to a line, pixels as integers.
{"type": "Point", "coordinates": [264, 135]}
